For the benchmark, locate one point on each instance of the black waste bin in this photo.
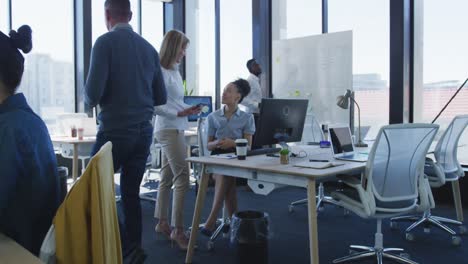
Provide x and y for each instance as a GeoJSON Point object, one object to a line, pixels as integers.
{"type": "Point", "coordinates": [63, 176]}
{"type": "Point", "coordinates": [249, 236]}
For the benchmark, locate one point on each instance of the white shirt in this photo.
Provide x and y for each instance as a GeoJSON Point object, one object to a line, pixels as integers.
{"type": "Point", "coordinates": [250, 103]}
{"type": "Point", "coordinates": [166, 115]}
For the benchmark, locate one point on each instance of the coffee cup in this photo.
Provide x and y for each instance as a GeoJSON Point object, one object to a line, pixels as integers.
{"type": "Point", "coordinates": [241, 148]}
{"type": "Point", "coordinates": [80, 133]}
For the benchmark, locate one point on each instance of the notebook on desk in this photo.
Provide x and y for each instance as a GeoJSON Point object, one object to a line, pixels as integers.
{"type": "Point", "coordinates": [342, 144]}
{"type": "Point", "coordinates": [318, 164]}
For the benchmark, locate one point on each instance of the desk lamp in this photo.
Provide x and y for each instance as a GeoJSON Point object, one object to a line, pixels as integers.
{"type": "Point", "coordinates": [343, 102]}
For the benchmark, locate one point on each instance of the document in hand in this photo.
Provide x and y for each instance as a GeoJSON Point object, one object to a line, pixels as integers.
{"type": "Point", "coordinates": [318, 165]}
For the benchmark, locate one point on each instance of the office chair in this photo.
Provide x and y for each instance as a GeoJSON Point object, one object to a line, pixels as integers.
{"type": "Point", "coordinates": [317, 136]}
{"type": "Point", "coordinates": [392, 184]}
{"type": "Point", "coordinates": [89, 210]}
{"type": "Point", "coordinates": [153, 164]}
{"type": "Point", "coordinates": [445, 168]}
{"type": "Point", "coordinates": [202, 150]}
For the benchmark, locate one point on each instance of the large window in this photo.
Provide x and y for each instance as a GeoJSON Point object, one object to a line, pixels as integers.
{"type": "Point", "coordinates": [444, 65]}
{"type": "Point", "coordinates": [236, 39]}
{"type": "Point", "coordinates": [200, 60]}
{"type": "Point", "coordinates": [98, 18]}
{"type": "Point", "coordinates": [152, 22]}
{"type": "Point", "coordinates": [369, 21]}
{"type": "Point", "coordinates": [296, 18]}
{"type": "Point", "coordinates": [4, 16]}
{"type": "Point", "coordinates": [48, 80]}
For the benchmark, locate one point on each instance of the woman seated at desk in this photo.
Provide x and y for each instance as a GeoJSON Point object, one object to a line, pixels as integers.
{"type": "Point", "coordinates": [29, 185]}
{"type": "Point", "coordinates": [224, 127]}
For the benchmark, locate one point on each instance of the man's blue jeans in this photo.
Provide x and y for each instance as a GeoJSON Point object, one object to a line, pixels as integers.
{"type": "Point", "coordinates": [130, 150]}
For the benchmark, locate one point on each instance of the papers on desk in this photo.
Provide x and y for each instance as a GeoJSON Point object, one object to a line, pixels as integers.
{"type": "Point", "coordinates": [224, 156]}
{"type": "Point", "coordinates": [318, 164]}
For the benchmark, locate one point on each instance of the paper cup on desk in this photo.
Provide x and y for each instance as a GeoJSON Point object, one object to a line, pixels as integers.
{"type": "Point", "coordinates": [241, 148]}
{"type": "Point", "coordinates": [80, 133]}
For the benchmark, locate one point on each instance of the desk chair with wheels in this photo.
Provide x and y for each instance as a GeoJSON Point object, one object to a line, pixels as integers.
{"type": "Point", "coordinates": [392, 184]}
{"type": "Point", "coordinates": [202, 150]}
{"type": "Point", "coordinates": [317, 136]}
{"type": "Point", "coordinates": [445, 168]}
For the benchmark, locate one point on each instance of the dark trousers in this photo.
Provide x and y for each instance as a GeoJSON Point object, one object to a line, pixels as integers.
{"type": "Point", "coordinates": [130, 149]}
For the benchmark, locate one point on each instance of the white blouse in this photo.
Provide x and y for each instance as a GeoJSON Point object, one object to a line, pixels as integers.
{"type": "Point", "coordinates": [166, 115]}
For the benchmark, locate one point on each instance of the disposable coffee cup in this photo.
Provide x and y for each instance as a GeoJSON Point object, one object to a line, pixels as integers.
{"type": "Point", "coordinates": [241, 148]}
{"type": "Point", "coordinates": [80, 133]}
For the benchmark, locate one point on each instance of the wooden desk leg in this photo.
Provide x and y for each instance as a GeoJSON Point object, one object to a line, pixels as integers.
{"type": "Point", "coordinates": [197, 214]}
{"type": "Point", "coordinates": [75, 162]}
{"type": "Point", "coordinates": [313, 234]}
{"type": "Point", "coordinates": [457, 200]}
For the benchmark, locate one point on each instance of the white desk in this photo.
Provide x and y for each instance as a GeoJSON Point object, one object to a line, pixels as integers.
{"type": "Point", "coordinates": [83, 145]}
{"type": "Point", "coordinates": [269, 170]}
{"type": "Point", "coordinates": [12, 253]}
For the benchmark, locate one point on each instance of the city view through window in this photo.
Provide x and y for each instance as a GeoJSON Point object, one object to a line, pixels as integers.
{"type": "Point", "coordinates": [48, 81]}
{"type": "Point", "coordinates": [445, 64]}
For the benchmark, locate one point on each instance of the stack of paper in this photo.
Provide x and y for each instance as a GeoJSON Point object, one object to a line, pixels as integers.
{"type": "Point", "coordinates": [318, 165]}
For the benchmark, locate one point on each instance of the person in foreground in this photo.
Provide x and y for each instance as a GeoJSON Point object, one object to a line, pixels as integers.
{"type": "Point", "coordinates": [225, 126]}
{"type": "Point", "coordinates": [125, 80]}
{"type": "Point", "coordinates": [29, 184]}
{"type": "Point", "coordinates": [171, 121]}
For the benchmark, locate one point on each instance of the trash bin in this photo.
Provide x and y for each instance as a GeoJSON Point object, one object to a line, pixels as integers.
{"type": "Point", "coordinates": [249, 236]}
{"type": "Point", "coordinates": [63, 176]}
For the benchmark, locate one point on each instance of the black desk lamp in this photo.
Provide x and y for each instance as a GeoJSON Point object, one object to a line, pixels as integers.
{"type": "Point", "coordinates": [343, 102]}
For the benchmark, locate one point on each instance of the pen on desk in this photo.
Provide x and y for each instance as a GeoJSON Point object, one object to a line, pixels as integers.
{"type": "Point", "coordinates": [316, 160]}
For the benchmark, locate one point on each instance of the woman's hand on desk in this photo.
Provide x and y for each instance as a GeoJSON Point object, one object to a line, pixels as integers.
{"type": "Point", "coordinates": [226, 143]}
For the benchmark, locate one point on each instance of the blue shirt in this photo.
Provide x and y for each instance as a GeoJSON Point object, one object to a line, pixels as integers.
{"type": "Point", "coordinates": [124, 79]}
{"type": "Point", "coordinates": [29, 184]}
{"type": "Point", "coordinates": [239, 124]}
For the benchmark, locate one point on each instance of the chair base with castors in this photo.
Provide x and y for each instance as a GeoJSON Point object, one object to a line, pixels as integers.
{"type": "Point", "coordinates": [377, 251]}
{"type": "Point", "coordinates": [223, 227]}
{"type": "Point", "coordinates": [321, 200]}
{"type": "Point", "coordinates": [427, 220]}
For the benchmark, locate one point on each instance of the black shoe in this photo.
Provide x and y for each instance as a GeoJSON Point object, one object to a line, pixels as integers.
{"type": "Point", "coordinates": [206, 231]}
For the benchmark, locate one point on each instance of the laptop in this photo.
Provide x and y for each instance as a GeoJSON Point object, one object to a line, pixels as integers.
{"type": "Point", "coordinates": [204, 101]}
{"type": "Point", "coordinates": [342, 144]}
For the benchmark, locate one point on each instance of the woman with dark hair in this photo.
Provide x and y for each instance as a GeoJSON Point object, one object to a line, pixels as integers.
{"type": "Point", "coordinates": [29, 185]}
{"type": "Point", "coordinates": [225, 126]}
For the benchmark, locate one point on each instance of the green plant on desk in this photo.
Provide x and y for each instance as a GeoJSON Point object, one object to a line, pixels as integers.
{"type": "Point", "coordinates": [284, 156]}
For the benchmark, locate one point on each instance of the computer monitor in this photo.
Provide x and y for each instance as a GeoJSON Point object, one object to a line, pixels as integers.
{"type": "Point", "coordinates": [281, 120]}
{"type": "Point", "coordinates": [205, 101]}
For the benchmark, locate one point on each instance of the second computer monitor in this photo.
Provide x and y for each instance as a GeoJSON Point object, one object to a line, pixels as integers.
{"type": "Point", "coordinates": [281, 120]}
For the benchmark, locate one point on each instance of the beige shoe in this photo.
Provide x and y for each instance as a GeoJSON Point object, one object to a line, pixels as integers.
{"type": "Point", "coordinates": [164, 231]}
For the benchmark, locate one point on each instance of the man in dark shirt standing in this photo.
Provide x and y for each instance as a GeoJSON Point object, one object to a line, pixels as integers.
{"type": "Point", "coordinates": [125, 80]}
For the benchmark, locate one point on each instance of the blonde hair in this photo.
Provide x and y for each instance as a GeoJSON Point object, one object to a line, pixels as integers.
{"type": "Point", "coordinates": [174, 41]}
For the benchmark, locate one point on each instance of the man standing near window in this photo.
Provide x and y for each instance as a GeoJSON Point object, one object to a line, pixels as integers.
{"type": "Point", "coordinates": [250, 104]}
{"type": "Point", "coordinates": [125, 80]}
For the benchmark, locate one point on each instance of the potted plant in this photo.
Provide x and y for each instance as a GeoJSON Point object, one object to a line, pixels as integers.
{"type": "Point", "coordinates": [284, 156]}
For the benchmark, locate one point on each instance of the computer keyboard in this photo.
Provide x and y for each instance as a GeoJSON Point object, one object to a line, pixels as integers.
{"type": "Point", "coordinates": [262, 151]}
